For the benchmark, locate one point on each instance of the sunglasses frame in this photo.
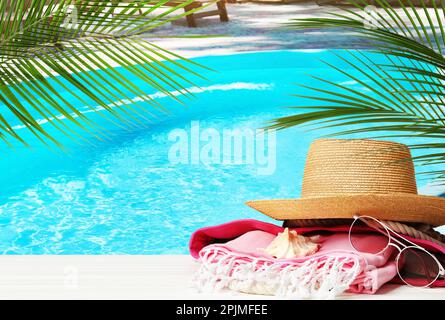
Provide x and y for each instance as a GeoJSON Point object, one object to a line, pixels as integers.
{"type": "Point", "coordinates": [392, 241]}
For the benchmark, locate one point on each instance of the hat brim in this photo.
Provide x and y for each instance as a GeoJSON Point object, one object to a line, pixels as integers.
{"type": "Point", "coordinates": [395, 207]}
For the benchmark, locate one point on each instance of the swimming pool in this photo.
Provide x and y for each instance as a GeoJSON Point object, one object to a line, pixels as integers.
{"type": "Point", "coordinates": [137, 194]}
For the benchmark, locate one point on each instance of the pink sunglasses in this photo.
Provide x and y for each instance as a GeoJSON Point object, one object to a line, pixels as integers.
{"type": "Point", "coordinates": [416, 266]}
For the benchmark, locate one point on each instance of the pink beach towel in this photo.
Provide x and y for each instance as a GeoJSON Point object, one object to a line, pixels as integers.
{"type": "Point", "coordinates": [231, 257]}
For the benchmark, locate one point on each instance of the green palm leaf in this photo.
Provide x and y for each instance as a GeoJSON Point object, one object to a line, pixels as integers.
{"type": "Point", "coordinates": [401, 80]}
{"type": "Point", "coordinates": [46, 45]}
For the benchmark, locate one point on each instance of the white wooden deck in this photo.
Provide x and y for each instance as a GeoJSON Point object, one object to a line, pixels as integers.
{"type": "Point", "coordinates": [130, 277]}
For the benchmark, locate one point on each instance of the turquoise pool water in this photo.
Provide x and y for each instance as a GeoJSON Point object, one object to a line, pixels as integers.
{"type": "Point", "coordinates": [133, 194]}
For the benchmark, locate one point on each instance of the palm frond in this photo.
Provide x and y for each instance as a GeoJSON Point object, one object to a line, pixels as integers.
{"type": "Point", "coordinates": [74, 45]}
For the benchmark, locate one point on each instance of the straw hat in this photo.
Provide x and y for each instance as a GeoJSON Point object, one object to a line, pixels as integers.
{"type": "Point", "coordinates": [343, 178]}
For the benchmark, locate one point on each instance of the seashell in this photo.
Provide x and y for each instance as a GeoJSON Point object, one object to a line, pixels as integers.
{"type": "Point", "coordinates": [289, 244]}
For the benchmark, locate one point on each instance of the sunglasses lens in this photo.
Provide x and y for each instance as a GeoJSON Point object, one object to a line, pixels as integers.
{"type": "Point", "coordinates": [362, 241]}
{"type": "Point", "coordinates": [417, 267]}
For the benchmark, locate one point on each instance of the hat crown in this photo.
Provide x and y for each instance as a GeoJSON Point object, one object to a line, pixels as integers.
{"type": "Point", "coordinates": [357, 166]}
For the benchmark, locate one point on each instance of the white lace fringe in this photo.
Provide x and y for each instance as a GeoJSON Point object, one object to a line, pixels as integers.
{"type": "Point", "coordinates": [318, 278]}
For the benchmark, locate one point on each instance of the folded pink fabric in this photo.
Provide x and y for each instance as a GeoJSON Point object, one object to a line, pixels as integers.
{"type": "Point", "coordinates": [231, 257]}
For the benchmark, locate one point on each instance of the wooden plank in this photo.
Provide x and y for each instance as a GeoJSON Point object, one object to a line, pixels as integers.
{"type": "Point", "coordinates": [223, 16]}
